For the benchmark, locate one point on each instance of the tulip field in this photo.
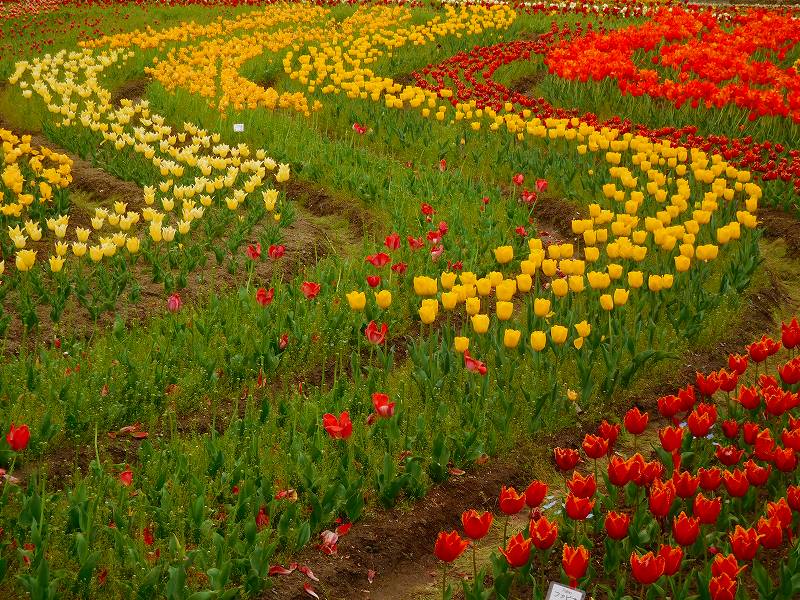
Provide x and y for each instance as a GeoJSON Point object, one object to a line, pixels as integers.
{"type": "Point", "coordinates": [399, 300]}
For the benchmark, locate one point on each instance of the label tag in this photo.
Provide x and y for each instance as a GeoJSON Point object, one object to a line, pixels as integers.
{"type": "Point", "coordinates": [557, 591]}
{"type": "Point", "coordinates": [238, 127]}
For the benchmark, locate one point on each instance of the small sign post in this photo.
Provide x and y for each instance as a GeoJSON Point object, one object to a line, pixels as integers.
{"type": "Point", "coordinates": [557, 591]}
{"type": "Point", "coordinates": [238, 127]}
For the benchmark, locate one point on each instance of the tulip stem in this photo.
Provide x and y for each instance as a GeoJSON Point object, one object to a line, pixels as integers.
{"type": "Point", "coordinates": [505, 530]}
{"type": "Point", "coordinates": [444, 580]}
{"type": "Point", "coordinates": [474, 565]}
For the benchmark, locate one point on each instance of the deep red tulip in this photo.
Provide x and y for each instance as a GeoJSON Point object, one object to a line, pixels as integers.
{"type": "Point", "coordinates": [18, 437]}
{"type": "Point", "coordinates": [310, 289]}
{"type": "Point", "coordinates": [737, 363]}
{"type": "Point", "coordinates": [781, 511]}
{"type": "Point", "coordinates": [671, 438]}
{"type": "Point", "coordinates": [373, 281]}
{"type": "Point", "coordinates": [517, 551]}
{"type": "Point", "coordinates": [574, 561]}
{"type": "Point", "coordinates": [709, 478]}
{"type": "Point", "coordinates": [729, 455]}
{"type": "Point", "coordinates": [685, 529]}
{"type": "Point", "coordinates": [770, 532]}
{"type": "Point", "coordinates": [736, 482]}
{"type": "Point", "coordinates": [535, 493]}
{"type": "Point", "coordinates": [381, 259]}
{"type": "Point", "coordinates": [636, 421]}
{"type": "Point", "coordinates": [617, 524]}
{"type": "Point", "coordinates": [578, 509]}
{"type": "Point", "coordinates": [264, 297]}
{"type": "Point", "coordinates": [685, 483]}
{"type": "Point", "coordinates": [793, 497]}
{"type": "Point", "coordinates": [699, 423]}
{"type": "Point", "coordinates": [749, 397]}
{"type": "Point", "coordinates": [476, 526]}
{"type": "Point", "coordinates": [722, 588]}
{"type": "Point", "coordinates": [730, 429]}
{"type": "Point", "coordinates": [726, 564]}
{"type": "Point", "coordinates": [669, 406]}
{"type": "Point", "coordinates": [618, 471]}
{"type": "Point", "coordinates": [608, 432]}
{"type": "Point", "coordinates": [757, 475]}
{"type": "Point", "coordinates": [254, 251]}
{"type": "Point", "coordinates": [543, 533]}
{"type": "Point", "coordinates": [594, 446]}
{"type": "Point", "coordinates": [276, 251]}
{"type": "Point", "coordinates": [790, 334]}
{"type": "Point", "coordinates": [662, 494]}
{"type": "Point", "coordinates": [648, 568]}
{"type": "Point", "coordinates": [672, 555]}
{"type": "Point", "coordinates": [383, 408]}
{"type": "Point", "coordinates": [582, 487]}
{"type": "Point", "coordinates": [707, 510]}
{"type": "Point", "coordinates": [510, 501]}
{"type": "Point", "coordinates": [744, 542]}
{"type": "Point", "coordinates": [374, 334]}
{"type": "Point", "coordinates": [749, 432]}
{"type": "Point", "coordinates": [518, 179]}
{"type": "Point", "coordinates": [566, 458]}
{"type": "Point", "coordinates": [392, 241]}
{"type": "Point", "coordinates": [784, 459]}
{"type": "Point", "coordinates": [728, 380]}
{"type": "Point", "coordinates": [338, 429]}
{"type": "Point", "coordinates": [449, 546]}
{"type": "Point", "coordinates": [707, 385]}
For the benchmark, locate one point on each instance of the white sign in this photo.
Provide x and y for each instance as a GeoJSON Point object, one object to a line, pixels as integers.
{"type": "Point", "coordinates": [238, 127]}
{"type": "Point", "coordinates": [557, 591]}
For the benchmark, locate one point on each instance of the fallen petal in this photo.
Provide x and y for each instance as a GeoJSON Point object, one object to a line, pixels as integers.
{"type": "Point", "coordinates": [310, 590]}
{"type": "Point", "coordinates": [279, 570]}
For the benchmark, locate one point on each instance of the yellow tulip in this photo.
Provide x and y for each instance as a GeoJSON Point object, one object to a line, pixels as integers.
{"type": "Point", "coordinates": [511, 338]}
{"type": "Point", "coordinates": [484, 286]}
{"type": "Point", "coordinates": [448, 279]}
{"type": "Point", "coordinates": [357, 300]}
{"type": "Point", "coordinates": [473, 306]}
{"type": "Point", "coordinates": [667, 281]}
{"type": "Point", "coordinates": [79, 248]}
{"type": "Point", "coordinates": [25, 260]}
{"type": "Point", "coordinates": [549, 267]}
{"type": "Point", "coordinates": [558, 333]}
{"type": "Point", "coordinates": [560, 287]}
{"type": "Point", "coordinates": [427, 314]}
{"type": "Point", "coordinates": [56, 263]}
{"type": "Point", "coordinates": [506, 289]}
{"type": "Point", "coordinates": [578, 343]}
{"type": "Point", "coordinates": [541, 307]}
{"type": "Point", "coordinates": [621, 296]}
{"type": "Point", "coordinates": [96, 253]}
{"type": "Point", "coordinates": [592, 253]}
{"type": "Point", "coordinates": [538, 340]}
{"type": "Point", "coordinates": [132, 244]}
{"type": "Point", "coordinates": [682, 263]}
{"type": "Point", "coordinates": [576, 284]}
{"type": "Point", "coordinates": [504, 310]}
{"type": "Point", "coordinates": [614, 270]}
{"type": "Point", "coordinates": [583, 328]}
{"type": "Point", "coordinates": [607, 302]}
{"type": "Point", "coordinates": [461, 344]}
{"type": "Point", "coordinates": [504, 254]}
{"type": "Point", "coordinates": [425, 286]}
{"type": "Point", "coordinates": [524, 282]}
{"type": "Point", "coordinates": [635, 279]}
{"type": "Point", "coordinates": [383, 299]}
{"type": "Point", "coordinates": [480, 323]}
{"type": "Point", "coordinates": [654, 283]}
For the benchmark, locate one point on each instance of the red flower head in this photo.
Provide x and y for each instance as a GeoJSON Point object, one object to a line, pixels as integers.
{"type": "Point", "coordinates": [18, 437]}
{"type": "Point", "coordinates": [662, 494]}
{"type": "Point", "coordinates": [378, 260]}
{"type": "Point", "coordinates": [449, 546]}
{"type": "Point", "coordinates": [619, 470]}
{"type": "Point", "coordinates": [541, 185]}
{"type": "Point", "coordinates": [669, 406]}
{"type": "Point", "coordinates": [749, 397]}
{"type": "Point", "coordinates": [254, 251]}
{"type": "Point", "coordinates": [729, 455]}
{"type": "Point", "coordinates": [784, 459]}
{"type": "Point", "coordinates": [608, 432]}
{"type": "Point", "coordinates": [383, 407]}
{"type": "Point", "coordinates": [722, 588]}
{"type": "Point", "coordinates": [338, 429]}
{"type": "Point", "coordinates": [399, 268]}
{"type": "Point", "coordinates": [264, 297]}
{"type": "Point", "coordinates": [782, 511]}
{"type": "Point", "coordinates": [699, 423]}
{"type": "Point", "coordinates": [518, 179]}
{"type": "Point", "coordinates": [793, 497]}
{"type": "Point", "coordinates": [174, 302]}
{"type": "Point", "coordinates": [535, 493]}
{"type": "Point", "coordinates": [707, 384]}
{"type": "Point", "coordinates": [685, 529]}
{"type": "Point", "coordinates": [744, 542]}
{"type": "Point", "coordinates": [764, 445]}
{"type": "Point", "coordinates": [685, 483]}
{"type": "Point", "coordinates": [566, 458]}
{"type": "Point", "coordinates": [473, 364]}
{"type": "Point", "coordinates": [790, 334]}
{"type": "Point", "coordinates": [756, 474]}
{"type": "Point", "coordinates": [758, 351]}
{"type": "Point", "coordinates": [672, 555]}
{"type": "Point", "coordinates": [373, 281]}
{"type": "Point", "coordinates": [543, 533]}
{"type": "Point", "coordinates": [617, 525]}
{"type": "Point", "coordinates": [671, 438]}
{"type": "Point", "coordinates": [738, 363]}
{"type": "Point", "coordinates": [262, 518]}
{"type": "Point", "coordinates": [126, 477]}
{"type": "Point", "coordinates": [582, 487]}
{"type": "Point", "coordinates": [276, 251]}
{"type": "Point", "coordinates": [374, 334]}
{"type": "Point", "coordinates": [510, 501]}
{"type": "Point", "coordinates": [730, 428]}
{"type": "Point", "coordinates": [594, 446]}
{"type": "Point", "coordinates": [770, 532]}
{"type": "Point", "coordinates": [709, 478]}
{"type": "Point", "coordinates": [707, 510]}
{"type": "Point", "coordinates": [310, 289]}
{"type": "Point", "coordinates": [790, 372]}
{"type": "Point", "coordinates": [517, 551]}
{"type": "Point", "coordinates": [476, 526]}
{"type": "Point", "coordinates": [574, 561]}
{"type": "Point", "coordinates": [726, 564]}
{"type": "Point", "coordinates": [750, 431]}
{"type": "Point", "coordinates": [578, 508]}
{"type": "Point", "coordinates": [427, 209]}
{"type": "Point", "coordinates": [636, 421]}
{"type": "Point", "coordinates": [736, 482]}
{"type": "Point", "coordinates": [392, 241]}
{"type": "Point", "coordinates": [791, 439]}
{"type": "Point", "coordinates": [728, 381]}
{"type": "Point", "coordinates": [648, 568]}
{"type": "Point", "coordinates": [415, 243]}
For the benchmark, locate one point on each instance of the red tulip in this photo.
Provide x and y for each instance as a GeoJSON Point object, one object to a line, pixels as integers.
{"type": "Point", "coordinates": [310, 289]}
{"type": "Point", "coordinates": [636, 421]}
{"type": "Point", "coordinates": [749, 432]}
{"type": "Point", "coordinates": [574, 561]}
{"type": "Point", "coordinates": [669, 406]}
{"type": "Point", "coordinates": [685, 483]}
{"type": "Point", "coordinates": [730, 429]}
{"type": "Point", "coordinates": [707, 384]}
{"type": "Point", "coordinates": [338, 429]}
{"type": "Point", "coordinates": [518, 179]}
{"type": "Point", "coordinates": [737, 363]}
{"type": "Point", "coordinates": [594, 446]}
{"type": "Point", "coordinates": [449, 546]}
{"type": "Point", "coordinates": [578, 508]}
{"type": "Point", "coordinates": [582, 487]}
{"type": "Point", "coordinates": [685, 529]}
{"type": "Point", "coordinates": [782, 511]}
{"type": "Point", "coordinates": [399, 268]}
{"type": "Point", "coordinates": [535, 493]}
{"type": "Point", "coordinates": [510, 501]}
{"type": "Point", "coordinates": [517, 551]}
{"type": "Point", "coordinates": [729, 455]}
{"type": "Point", "coordinates": [722, 588]}
{"type": "Point", "coordinates": [18, 437]}
{"type": "Point", "coordinates": [276, 251]}
{"type": "Point", "coordinates": [707, 510]}
{"type": "Point", "coordinates": [264, 297]}
{"type": "Point", "coordinates": [608, 432]}
{"type": "Point", "coordinates": [709, 478]}
{"type": "Point", "coordinates": [566, 458]}
{"type": "Point", "coordinates": [727, 565]}
{"type": "Point", "coordinates": [473, 364]}
{"type": "Point", "coordinates": [476, 526]}
{"type": "Point", "coordinates": [735, 482]}
{"type": "Point", "coordinates": [770, 533]}
{"type": "Point", "coordinates": [543, 533]}
{"type": "Point", "coordinates": [373, 281]}
{"type": "Point", "coordinates": [784, 459]}
{"type": "Point", "coordinates": [381, 259]}
{"type": "Point", "coordinates": [662, 494]}
{"type": "Point", "coordinates": [374, 334]}
{"type": "Point", "coordinates": [126, 477]}
{"type": "Point", "coordinates": [383, 407]}
{"type": "Point", "coordinates": [671, 438]}
{"type": "Point", "coordinates": [174, 302]}
{"type": "Point", "coordinates": [672, 555]}
{"type": "Point", "coordinates": [749, 397]}
{"type": "Point", "coordinates": [618, 471]}
{"type": "Point", "coordinates": [648, 568]}
{"type": "Point", "coordinates": [793, 497]}
{"type": "Point", "coordinates": [744, 542]}
{"type": "Point", "coordinates": [756, 474]}
{"type": "Point", "coordinates": [254, 251]}
{"type": "Point", "coordinates": [617, 525]}
{"type": "Point", "coordinates": [699, 423]}
{"type": "Point", "coordinates": [790, 334]}
{"type": "Point", "coordinates": [541, 185]}
{"type": "Point", "coordinates": [392, 241]}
